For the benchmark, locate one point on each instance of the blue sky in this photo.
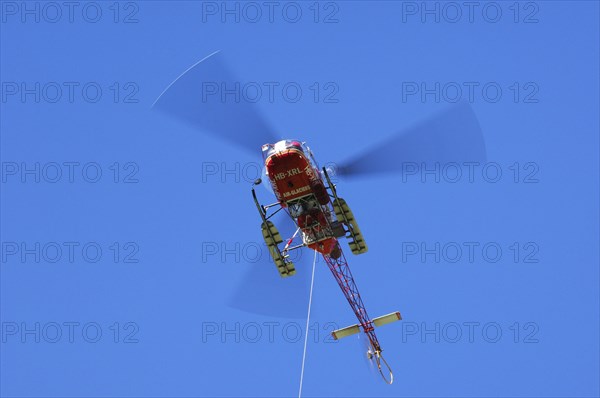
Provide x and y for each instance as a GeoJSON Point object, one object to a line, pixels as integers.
{"type": "Point", "coordinates": [121, 283]}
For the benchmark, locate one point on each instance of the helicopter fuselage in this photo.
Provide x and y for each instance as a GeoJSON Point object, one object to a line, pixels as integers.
{"type": "Point", "coordinates": [299, 188]}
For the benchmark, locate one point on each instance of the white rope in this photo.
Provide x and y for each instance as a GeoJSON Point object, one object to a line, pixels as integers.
{"type": "Point", "coordinates": [312, 280]}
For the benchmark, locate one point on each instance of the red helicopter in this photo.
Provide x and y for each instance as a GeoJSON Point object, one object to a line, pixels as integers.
{"type": "Point", "coordinates": [321, 218]}
{"type": "Point", "coordinates": [306, 192]}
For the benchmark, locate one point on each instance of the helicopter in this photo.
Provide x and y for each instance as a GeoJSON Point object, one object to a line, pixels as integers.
{"type": "Point", "coordinates": [305, 192]}
{"type": "Point", "coordinates": [321, 217]}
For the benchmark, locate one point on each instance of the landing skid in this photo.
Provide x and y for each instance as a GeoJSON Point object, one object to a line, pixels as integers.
{"type": "Point", "coordinates": [272, 238]}
{"type": "Point", "coordinates": [344, 215]}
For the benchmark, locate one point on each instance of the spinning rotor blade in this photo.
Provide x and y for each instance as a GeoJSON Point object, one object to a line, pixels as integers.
{"type": "Point", "coordinates": [207, 96]}
{"type": "Point", "coordinates": [363, 347]}
{"type": "Point", "coordinates": [262, 291]}
{"type": "Point", "coordinates": [451, 136]}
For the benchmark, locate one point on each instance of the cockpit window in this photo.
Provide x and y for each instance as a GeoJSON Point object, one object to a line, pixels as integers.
{"type": "Point", "coordinates": [269, 149]}
{"type": "Point", "coordinates": [295, 144]}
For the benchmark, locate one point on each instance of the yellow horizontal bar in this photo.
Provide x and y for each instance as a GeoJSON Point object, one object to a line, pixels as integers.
{"type": "Point", "coordinates": [348, 331]}
{"type": "Point", "coordinates": [354, 329]}
{"type": "Point", "coordinates": [389, 318]}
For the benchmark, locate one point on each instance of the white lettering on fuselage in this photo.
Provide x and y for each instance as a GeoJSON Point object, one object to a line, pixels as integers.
{"type": "Point", "coordinates": [296, 191]}
{"type": "Point", "coordinates": [289, 173]}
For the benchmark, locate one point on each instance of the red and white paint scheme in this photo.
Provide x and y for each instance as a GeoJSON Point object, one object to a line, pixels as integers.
{"type": "Point", "coordinates": [296, 182]}
{"type": "Point", "coordinates": [321, 218]}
